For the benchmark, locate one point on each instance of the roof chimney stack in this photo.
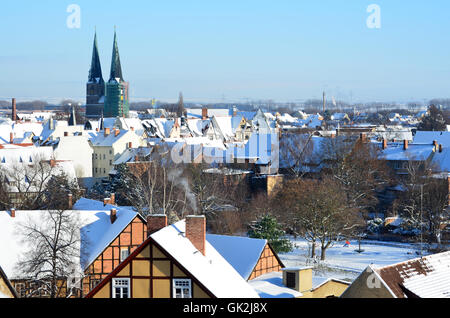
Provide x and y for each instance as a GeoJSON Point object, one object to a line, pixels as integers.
{"type": "Point", "coordinates": [69, 201]}
{"type": "Point", "coordinates": [155, 222]}
{"type": "Point", "coordinates": [107, 131]}
{"type": "Point", "coordinates": [204, 113]}
{"type": "Point", "coordinates": [13, 212]}
{"type": "Point", "coordinates": [112, 199]}
{"type": "Point", "coordinates": [405, 144]}
{"type": "Point", "coordinates": [14, 110]}
{"type": "Point", "coordinates": [196, 231]}
{"type": "Point", "coordinates": [11, 138]}
{"type": "Point", "coordinates": [113, 216]}
{"type": "Point", "coordinates": [384, 141]}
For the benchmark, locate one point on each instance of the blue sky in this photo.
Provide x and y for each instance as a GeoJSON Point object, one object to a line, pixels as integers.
{"type": "Point", "coordinates": [286, 50]}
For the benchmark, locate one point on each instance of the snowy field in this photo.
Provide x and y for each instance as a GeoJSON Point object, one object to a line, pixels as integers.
{"type": "Point", "coordinates": [344, 262]}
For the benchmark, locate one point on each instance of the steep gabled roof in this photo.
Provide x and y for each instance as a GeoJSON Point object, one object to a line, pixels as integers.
{"type": "Point", "coordinates": [426, 277]}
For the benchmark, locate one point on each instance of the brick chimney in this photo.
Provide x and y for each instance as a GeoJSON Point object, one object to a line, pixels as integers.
{"type": "Point", "coordinates": [204, 113]}
{"type": "Point", "coordinates": [14, 110]}
{"type": "Point", "coordinates": [196, 231]}
{"type": "Point", "coordinates": [66, 134]}
{"type": "Point", "coordinates": [130, 145]}
{"type": "Point", "coordinates": [113, 216]}
{"type": "Point", "coordinates": [132, 128]}
{"type": "Point", "coordinates": [112, 199]}
{"type": "Point", "coordinates": [405, 144]}
{"type": "Point", "coordinates": [363, 136]}
{"type": "Point", "coordinates": [11, 138]}
{"type": "Point", "coordinates": [13, 212]}
{"type": "Point", "coordinates": [107, 131]}
{"type": "Point", "coordinates": [116, 132]}
{"type": "Point", "coordinates": [69, 201]}
{"type": "Point", "coordinates": [97, 129]}
{"type": "Point", "coordinates": [155, 222]}
{"type": "Point", "coordinates": [384, 141]}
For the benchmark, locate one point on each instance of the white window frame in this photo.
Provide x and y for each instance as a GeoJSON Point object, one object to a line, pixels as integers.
{"type": "Point", "coordinates": [181, 281]}
{"type": "Point", "coordinates": [115, 284]}
{"type": "Point", "coordinates": [123, 249]}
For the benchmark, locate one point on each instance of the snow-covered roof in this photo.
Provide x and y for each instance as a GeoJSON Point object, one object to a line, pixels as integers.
{"type": "Point", "coordinates": [211, 269]}
{"type": "Point", "coordinates": [96, 230]}
{"type": "Point", "coordinates": [100, 140]}
{"type": "Point", "coordinates": [270, 285]}
{"type": "Point", "coordinates": [242, 253]}
{"type": "Point", "coordinates": [415, 152]}
{"type": "Point", "coordinates": [427, 137]}
{"type": "Point", "coordinates": [426, 277]}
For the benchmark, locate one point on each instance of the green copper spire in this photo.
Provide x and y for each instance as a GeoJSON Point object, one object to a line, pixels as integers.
{"type": "Point", "coordinates": [95, 73]}
{"type": "Point", "coordinates": [116, 68]}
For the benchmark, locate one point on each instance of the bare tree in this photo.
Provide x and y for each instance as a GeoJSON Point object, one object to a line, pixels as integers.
{"type": "Point", "coordinates": [54, 253]}
{"type": "Point", "coordinates": [316, 210]}
{"type": "Point", "coordinates": [296, 152]}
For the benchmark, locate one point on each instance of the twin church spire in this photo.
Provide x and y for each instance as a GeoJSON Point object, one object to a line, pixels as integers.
{"type": "Point", "coordinates": [110, 98]}
{"type": "Point", "coordinates": [95, 72]}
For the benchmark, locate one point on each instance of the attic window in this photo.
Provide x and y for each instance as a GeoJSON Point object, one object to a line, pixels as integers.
{"type": "Point", "coordinates": [182, 288]}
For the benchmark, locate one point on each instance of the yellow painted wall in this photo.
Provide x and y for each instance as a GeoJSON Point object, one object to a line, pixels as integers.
{"type": "Point", "coordinates": [330, 288]}
{"type": "Point", "coordinates": [161, 268]}
{"type": "Point", "coordinates": [199, 293]}
{"type": "Point", "coordinates": [125, 272]}
{"type": "Point", "coordinates": [145, 253]}
{"type": "Point", "coordinates": [104, 292]}
{"type": "Point", "coordinates": [141, 268]}
{"type": "Point", "coordinates": [4, 288]}
{"type": "Point", "coordinates": [161, 288]}
{"type": "Point", "coordinates": [141, 288]}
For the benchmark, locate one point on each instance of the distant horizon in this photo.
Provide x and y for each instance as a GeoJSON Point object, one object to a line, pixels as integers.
{"type": "Point", "coordinates": [233, 51]}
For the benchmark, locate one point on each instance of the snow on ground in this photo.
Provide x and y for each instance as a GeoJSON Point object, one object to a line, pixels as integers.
{"type": "Point", "coordinates": [344, 262]}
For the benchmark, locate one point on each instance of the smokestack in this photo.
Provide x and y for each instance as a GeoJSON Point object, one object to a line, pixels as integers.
{"type": "Point", "coordinates": [324, 102]}
{"type": "Point", "coordinates": [13, 212]}
{"type": "Point", "coordinates": [405, 144]}
{"type": "Point", "coordinates": [113, 216]}
{"type": "Point", "coordinates": [69, 201]}
{"type": "Point", "coordinates": [196, 231]}
{"type": "Point", "coordinates": [107, 132]}
{"type": "Point", "coordinates": [204, 113]}
{"type": "Point", "coordinates": [155, 222]}
{"type": "Point", "coordinates": [14, 110]}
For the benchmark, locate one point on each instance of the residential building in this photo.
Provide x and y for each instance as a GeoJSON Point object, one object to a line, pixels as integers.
{"type": "Point", "coordinates": [108, 145]}
{"type": "Point", "coordinates": [175, 261]}
{"type": "Point", "coordinates": [424, 277]}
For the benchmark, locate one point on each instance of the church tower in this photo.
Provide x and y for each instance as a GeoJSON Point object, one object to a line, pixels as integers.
{"type": "Point", "coordinates": [95, 87]}
{"type": "Point", "coordinates": [116, 98]}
